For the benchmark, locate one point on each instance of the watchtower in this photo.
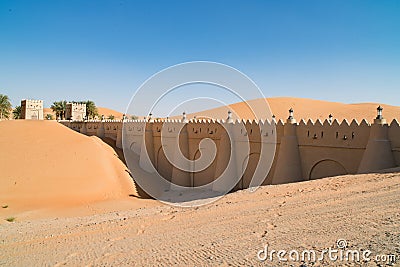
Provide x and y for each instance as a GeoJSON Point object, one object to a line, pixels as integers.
{"type": "Point", "coordinates": [31, 109]}
{"type": "Point", "coordinates": [75, 111]}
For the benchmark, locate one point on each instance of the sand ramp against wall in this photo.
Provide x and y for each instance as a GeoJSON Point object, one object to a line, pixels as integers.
{"type": "Point", "coordinates": [44, 164]}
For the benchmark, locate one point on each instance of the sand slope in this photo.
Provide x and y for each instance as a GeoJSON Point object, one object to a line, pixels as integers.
{"type": "Point", "coordinates": [44, 164]}
{"type": "Point", "coordinates": [304, 109]}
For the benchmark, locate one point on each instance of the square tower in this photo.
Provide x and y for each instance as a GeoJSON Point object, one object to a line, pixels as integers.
{"type": "Point", "coordinates": [75, 111]}
{"type": "Point", "coordinates": [31, 109]}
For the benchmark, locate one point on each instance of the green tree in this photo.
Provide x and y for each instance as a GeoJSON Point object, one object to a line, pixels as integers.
{"type": "Point", "coordinates": [91, 109]}
{"type": "Point", "coordinates": [111, 117]}
{"type": "Point", "coordinates": [5, 107]}
{"type": "Point", "coordinates": [59, 108]}
{"type": "Point", "coordinates": [17, 112]}
{"type": "Point", "coordinates": [49, 116]}
{"type": "Point", "coordinates": [134, 117]}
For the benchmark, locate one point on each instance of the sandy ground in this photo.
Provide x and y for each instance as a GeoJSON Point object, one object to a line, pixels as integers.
{"type": "Point", "coordinates": [312, 215]}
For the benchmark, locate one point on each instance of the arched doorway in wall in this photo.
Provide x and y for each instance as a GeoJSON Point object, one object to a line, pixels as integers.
{"type": "Point", "coordinates": [249, 166]}
{"type": "Point", "coordinates": [34, 116]}
{"type": "Point", "coordinates": [205, 176]}
{"type": "Point", "coordinates": [326, 168]}
{"type": "Point", "coordinates": [163, 166]}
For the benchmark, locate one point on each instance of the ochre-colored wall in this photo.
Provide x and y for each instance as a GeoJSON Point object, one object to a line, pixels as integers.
{"type": "Point", "coordinates": [394, 137]}
{"type": "Point", "coordinates": [303, 150]}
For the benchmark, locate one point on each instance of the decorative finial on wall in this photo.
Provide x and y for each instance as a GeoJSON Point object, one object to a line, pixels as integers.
{"type": "Point", "coordinates": [290, 114]}
{"type": "Point", "coordinates": [330, 118]}
{"type": "Point", "coordinates": [184, 118]}
{"type": "Point", "coordinates": [229, 119]}
{"type": "Point", "coordinates": [102, 118]}
{"type": "Point", "coordinates": [379, 118]}
{"type": "Point", "coordinates": [291, 119]}
{"type": "Point", "coordinates": [379, 111]}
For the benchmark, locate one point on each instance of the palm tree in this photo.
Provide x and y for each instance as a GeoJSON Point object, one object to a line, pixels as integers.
{"type": "Point", "coordinates": [59, 108]}
{"type": "Point", "coordinates": [91, 109]}
{"type": "Point", "coordinates": [5, 107]}
{"type": "Point", "coordinates": [56, 107]}
{"type": "Point", "coordinates": [17, 112]}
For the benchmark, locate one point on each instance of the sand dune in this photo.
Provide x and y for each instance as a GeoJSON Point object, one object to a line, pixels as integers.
{"type": "Point", "coordinates": [107, 112]}
{"type": "Point", "coordinates": [44, 164]}
{"type": "Point", "coordinates": [303, 109]}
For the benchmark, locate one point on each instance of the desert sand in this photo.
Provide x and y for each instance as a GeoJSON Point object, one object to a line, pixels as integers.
{"type": "Point", "coordinates": [304, 108]}
{"type": "Point", "coordinates": [362, 209]}
{"type": "Point", "coordinates": [46, 165]}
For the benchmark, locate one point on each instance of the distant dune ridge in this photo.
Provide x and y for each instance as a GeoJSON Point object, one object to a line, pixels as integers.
{"type": "Point", "coordinates": [107, 112]}
{"type": "Point", "coordinates": [44, 164]}
{"type": "Point", "coordinates": [303, 109]}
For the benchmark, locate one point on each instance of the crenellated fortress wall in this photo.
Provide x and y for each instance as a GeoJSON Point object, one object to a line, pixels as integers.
{"type": "Point", "coordinates": [298, 151]}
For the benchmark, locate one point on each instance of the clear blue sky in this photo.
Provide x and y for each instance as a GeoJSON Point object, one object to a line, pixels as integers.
{"type": "Point", "coordinates": [346, 51]}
